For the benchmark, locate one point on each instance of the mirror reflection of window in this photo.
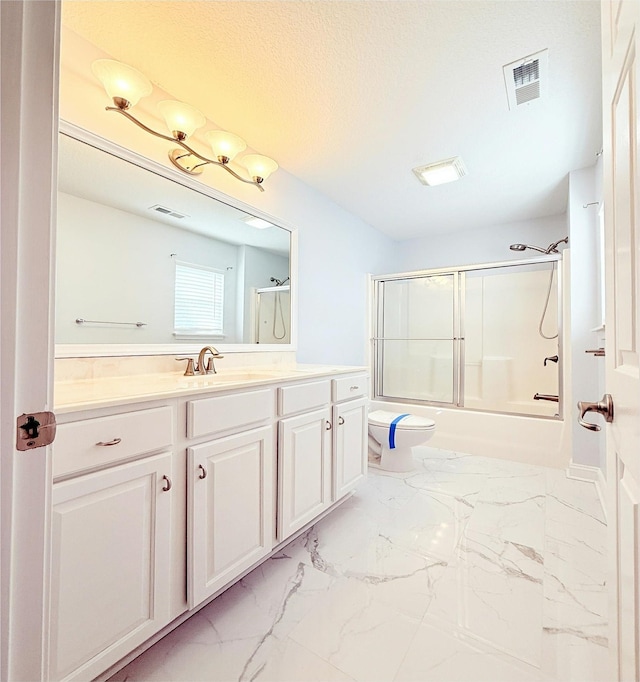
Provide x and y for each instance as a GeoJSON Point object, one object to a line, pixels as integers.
{"type": "Point", "coordinates": [199, 301]}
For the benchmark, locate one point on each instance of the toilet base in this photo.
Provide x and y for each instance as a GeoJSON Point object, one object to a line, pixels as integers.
{"type": "Point", "coordinates": [399, 460]}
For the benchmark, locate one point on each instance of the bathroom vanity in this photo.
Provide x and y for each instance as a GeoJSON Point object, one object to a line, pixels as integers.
{"type": "Point", "coordinates": [167, 489]}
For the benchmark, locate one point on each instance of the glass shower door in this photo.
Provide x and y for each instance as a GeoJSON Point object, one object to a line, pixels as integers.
{"type": "Point", "coordinates": [416, 351]}
{"type": "Point", "coordinates": [511, 353]}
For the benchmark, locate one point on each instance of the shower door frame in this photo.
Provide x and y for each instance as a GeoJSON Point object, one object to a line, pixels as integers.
{"type": "Point", "coordinates": [459, 310]}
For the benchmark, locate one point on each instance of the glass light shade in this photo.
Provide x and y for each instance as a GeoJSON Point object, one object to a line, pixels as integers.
{"type": "Point", "coordinates": [225, 144]}
{"type": "Point", "coordinates": [259, 167]}
{"type": "Point", "coordinates": [121, 81]}
{"type": "Point", "coordinates": [180, 117]}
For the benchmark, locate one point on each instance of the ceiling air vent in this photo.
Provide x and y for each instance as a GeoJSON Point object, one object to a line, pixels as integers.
{"type": "Point", "coordinates": [167, 211]}
{"type": "Point", "coordinates": [526, 79]}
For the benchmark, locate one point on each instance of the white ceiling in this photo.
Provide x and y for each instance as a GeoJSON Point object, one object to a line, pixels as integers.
{"type": "Point", "coordinates": [349, 96]}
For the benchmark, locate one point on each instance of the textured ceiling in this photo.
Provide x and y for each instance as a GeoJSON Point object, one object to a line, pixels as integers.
{"type": "Point", "coordinates": [349, 96]}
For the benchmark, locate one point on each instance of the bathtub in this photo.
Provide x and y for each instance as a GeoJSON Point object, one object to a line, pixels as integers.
{"type": "Point", "coordinates": [529, 440]}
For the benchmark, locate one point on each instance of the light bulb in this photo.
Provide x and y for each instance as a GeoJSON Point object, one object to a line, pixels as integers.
{"type": "Point", "coordinates": [225, 145]}
{"type": "Point", "coordinates": [259, 167]}
{"type": "Point", "coordinates": [181, 119]}
{"type": "Point", "coordinates": [124, 84]}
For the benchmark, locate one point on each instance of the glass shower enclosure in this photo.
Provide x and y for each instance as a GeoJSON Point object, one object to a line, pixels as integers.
{"type": "Point", "coordinates": [483, 337]}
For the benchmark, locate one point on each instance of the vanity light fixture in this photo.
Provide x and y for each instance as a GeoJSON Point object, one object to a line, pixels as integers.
{"type": "Point", "coordinates": [126, 86]}
{"type": "Point", "coordinates": [440, 172]}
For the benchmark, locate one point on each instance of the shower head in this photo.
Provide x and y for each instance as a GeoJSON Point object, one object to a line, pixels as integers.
{"type": "Point", "coordinates": [279, 282]}
{"type": "Point", "coordinates": [523, 247]}
{"type": "Point", "coordinates": [552, 248]}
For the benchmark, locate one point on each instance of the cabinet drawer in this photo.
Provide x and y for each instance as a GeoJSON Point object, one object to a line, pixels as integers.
{"type": "Point", "coordinates": [350, 387]}
{"type": "Point", "coordinates": [303, 397]}
{"type": "Point", "coordinates": [77, 445]}
{"type": "Point", "coordinates": [228, 412]}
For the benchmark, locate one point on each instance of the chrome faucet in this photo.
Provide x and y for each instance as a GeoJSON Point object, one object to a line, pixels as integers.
{"type": "Point", "coordinates": [210, 368]}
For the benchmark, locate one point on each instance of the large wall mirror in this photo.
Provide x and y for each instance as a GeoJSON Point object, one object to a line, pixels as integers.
{"type": "Point", "coordinates": [148, 265]}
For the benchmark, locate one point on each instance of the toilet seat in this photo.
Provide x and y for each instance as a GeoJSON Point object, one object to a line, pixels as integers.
{"type": "Point", "coordinates": [411, 422]}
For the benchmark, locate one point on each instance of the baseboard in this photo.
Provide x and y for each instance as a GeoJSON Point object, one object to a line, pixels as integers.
{"type": "Point", "coordinates": [583, 472]}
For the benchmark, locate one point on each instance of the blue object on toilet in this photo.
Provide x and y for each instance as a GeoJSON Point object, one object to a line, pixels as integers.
{"type": "Point", "coordinates": [392, 430]}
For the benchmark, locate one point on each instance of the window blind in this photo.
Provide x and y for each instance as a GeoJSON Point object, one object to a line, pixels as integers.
{"type": "Point", "coordinates": [199, 299]}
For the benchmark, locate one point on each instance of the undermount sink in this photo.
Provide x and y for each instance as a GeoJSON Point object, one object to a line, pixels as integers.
{"type": "Point", "coordinates": [237, 376]}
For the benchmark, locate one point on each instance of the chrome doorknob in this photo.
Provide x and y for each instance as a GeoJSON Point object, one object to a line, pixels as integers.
{"type": "Point", "coordinates": [603, 407]}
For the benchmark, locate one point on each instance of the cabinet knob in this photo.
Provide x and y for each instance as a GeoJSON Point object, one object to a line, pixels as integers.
{"type": "Point", "coordinates": [167, 484]}
{"type": "Point", "coordinates": [340, 421]}
{"type": "Point", "coordinates": [203, 472]}
{"type": "Point", "coordinates": [107, 443]}
{"type": "Point", "coordinates": [328, 425]}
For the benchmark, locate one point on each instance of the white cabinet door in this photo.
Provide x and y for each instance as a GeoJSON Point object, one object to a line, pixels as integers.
{"type": "Point", "coordinates": [349, 446]}
{"type": "Point", "coordinates": [304, 470]}
{"type": "Point", "coordinates": [230, 509]}
{"type": "Point", "coordinates": [110, 565]}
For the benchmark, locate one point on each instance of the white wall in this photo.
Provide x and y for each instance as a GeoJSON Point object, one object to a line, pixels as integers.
{"type": "Point", "coordinates": [488, 245]}
{"type": "Point", "coordinates": [586, 369]}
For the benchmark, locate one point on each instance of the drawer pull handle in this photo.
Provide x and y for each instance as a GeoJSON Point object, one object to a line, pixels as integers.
{"type": "Point", "coordinates": [340, 421]}
{"type": "Point", "coordinates": [354, 388]}
{"type": "Point", "coordinates": [108, 443]}
{"type": "Point", "coordinates": [203, 472]}
{"type": "Point", "coordinates": [327, 425]}
{"type": "Point", "coordinates": [167, 484]}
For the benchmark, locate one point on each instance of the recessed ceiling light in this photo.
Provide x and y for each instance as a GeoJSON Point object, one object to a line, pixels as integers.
{"type": "Point", "coordinates": [259, 223]}
{"type": "Point", "coordinates": [440, 172]}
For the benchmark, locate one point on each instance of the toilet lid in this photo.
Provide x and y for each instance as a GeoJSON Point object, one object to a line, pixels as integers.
{"type": "Point", "coordinates": [412, 422]}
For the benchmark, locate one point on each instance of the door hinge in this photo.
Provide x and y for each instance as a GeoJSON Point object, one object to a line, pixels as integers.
{"type": "Point", "coordinates": [35, 430]}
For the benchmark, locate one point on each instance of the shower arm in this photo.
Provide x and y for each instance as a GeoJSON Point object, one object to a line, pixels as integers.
{"type": "Point", "coordinates": [553, 248]}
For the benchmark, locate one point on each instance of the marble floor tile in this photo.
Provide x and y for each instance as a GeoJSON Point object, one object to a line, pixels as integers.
{"type": "Point", "coordinates": [493, 592]}
{"type": "Point", "coordinates": [390, 574]}
{"type": "Point", "coordinates": [430, 524]}
{"type": "Point", "coordinates": [433, 459]}
{"type": "Point", "coordinates": [437, 656]}
{"type": "Point", "coordinates": [293, 663]}
{"type": "Point", "coordinates": [358, 634]}
{"type": "Point", "coordinates": [510, 514]}
{"type": "Point", "coordinates": [466, 569]}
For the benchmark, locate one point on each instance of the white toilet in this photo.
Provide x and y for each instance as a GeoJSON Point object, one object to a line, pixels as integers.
{"type": "Point", "coordinates": [392, 435]}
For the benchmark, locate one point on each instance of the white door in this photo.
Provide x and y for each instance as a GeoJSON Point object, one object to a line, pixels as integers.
{"type": "Point", "coordinates": [620, 26]}
{"type": "Point", "coordinates": [28, 140]}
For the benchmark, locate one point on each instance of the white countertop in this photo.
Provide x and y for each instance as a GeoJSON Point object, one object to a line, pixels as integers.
{"type": "Point", "coordinates": [72, 396]}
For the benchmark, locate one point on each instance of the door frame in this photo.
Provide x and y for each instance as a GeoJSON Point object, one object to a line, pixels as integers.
{"type": "Point", "coordinates": [29, 56]}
